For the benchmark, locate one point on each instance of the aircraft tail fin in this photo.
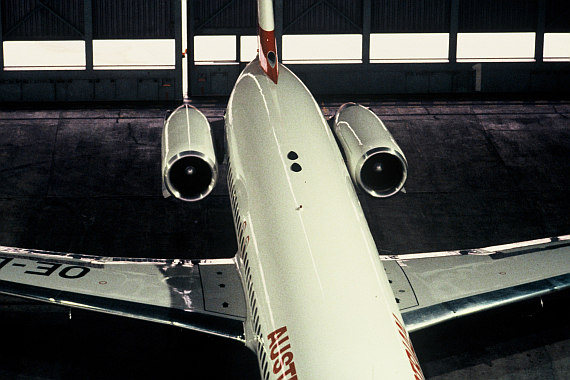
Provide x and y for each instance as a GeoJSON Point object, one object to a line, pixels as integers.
{"type": "Point", "coordinates": [267, 45]}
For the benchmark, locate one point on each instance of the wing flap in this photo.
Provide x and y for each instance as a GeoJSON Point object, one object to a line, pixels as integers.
{"type": "Point", "coordinates": [204, 295]}
{"type": "Point", "coordinates": [435, 287]}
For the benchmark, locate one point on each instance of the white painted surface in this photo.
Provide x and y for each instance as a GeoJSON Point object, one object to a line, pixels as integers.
{"type": "Point", "coordinates": [265, 15]}
{"type": "Point", "coordinates": [187, 133]}
{"type": "Point", "coordinates": [314, 265]}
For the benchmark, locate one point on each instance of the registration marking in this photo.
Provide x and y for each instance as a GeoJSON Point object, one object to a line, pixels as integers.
{"type": "Point", "coordinates": [46, 269]}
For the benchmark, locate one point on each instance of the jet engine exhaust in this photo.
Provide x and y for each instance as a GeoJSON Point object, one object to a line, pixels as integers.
{"type": "Point", "coordinates": [189, 168]}
{"type": "Point", "coordinates": [375, 161]}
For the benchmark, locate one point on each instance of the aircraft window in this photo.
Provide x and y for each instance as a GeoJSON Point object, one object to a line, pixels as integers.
{"type": "Point", "coordinates": [495, 47]}
{"type": "Point", "coordinates": [557, 47]}
{"type": "Point", "coordinates": [44, 55]}
{"type": "Point", "coordinates": [409, 47]}
{"type": "Point", "coordinates": [322, 48]}
{"type": "Point", "coordinates": [139, 54]}
{"type": "Point", "coordinates": [296, 167]}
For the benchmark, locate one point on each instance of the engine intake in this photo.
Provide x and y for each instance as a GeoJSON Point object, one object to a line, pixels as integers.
{"type": "Point", "coordinates": [189, 167]}
{"type": "Point", "coordinates": [375, 161]}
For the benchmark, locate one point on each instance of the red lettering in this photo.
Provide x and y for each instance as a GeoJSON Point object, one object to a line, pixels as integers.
{"type": "Point", "coordinates": [281, 354]}
{"type": "Point", "coordinates": [284, 360]}
{"type": "Point", "coordinates": [287, 358]}
{"type": "Point", "coordinates": [275, 353]}
{"type": "Point", "coordinates": [283, 340]}
{"type": "Point", "coordinates": [276, 335]}
{"type": "Point", "coordinates": [290, 371]}
{"type": "Point", "coordinates": [277, 367]}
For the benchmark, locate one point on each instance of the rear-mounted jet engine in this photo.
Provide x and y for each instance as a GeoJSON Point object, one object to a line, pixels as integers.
{"type": "Point", "coordinates": [189, 168]}
{"type": "Point", "coordinates": [375, 161]}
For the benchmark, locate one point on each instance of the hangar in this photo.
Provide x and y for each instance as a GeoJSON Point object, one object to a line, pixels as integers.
{"type": "Point", "coordinates": [485, 131]}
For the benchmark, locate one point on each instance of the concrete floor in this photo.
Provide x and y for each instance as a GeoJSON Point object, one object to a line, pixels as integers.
{"type": "Point", "coordinates": [88, 181]}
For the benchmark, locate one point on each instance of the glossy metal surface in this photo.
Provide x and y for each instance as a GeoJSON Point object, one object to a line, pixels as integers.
{"type": "Point", "coordinates": [311, 270]}
{"type": "Point", "coordinates": [439, 286]}
{"type": "Point", "coordinates": [189, 167]}
{"type": "Point", "coordinates": [177, 292]}
{"type": "Point", "coordinates": [375, 161]}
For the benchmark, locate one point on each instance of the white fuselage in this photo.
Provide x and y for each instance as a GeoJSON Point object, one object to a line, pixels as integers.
{"type": "Point", "coordinates": [320, 305]}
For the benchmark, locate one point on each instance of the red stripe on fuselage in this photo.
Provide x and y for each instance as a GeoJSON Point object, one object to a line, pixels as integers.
{"type": "Point", "coordinates": [268, 53]}
{"type": "Point", "coordinates": [409, 349]}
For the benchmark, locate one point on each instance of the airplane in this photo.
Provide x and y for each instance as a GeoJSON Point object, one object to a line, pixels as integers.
{"type": "Point", "coordinates": [290, 294]}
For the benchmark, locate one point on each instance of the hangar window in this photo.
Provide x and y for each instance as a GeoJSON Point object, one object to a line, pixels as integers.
{"type": "Point", "coordinates": [557, 47]}
{"type": "Point", "coordinates": [248, 48]}
{"type": "Point", "coordinates": [495, 47]}
{"type": "Point", "coordinates": [210, 50]}
{"type": "Point", "coordinates": [133, 54]}
{"type": "Point", "coordinates": [44, 55]}
{"type": "Point", "coordinates": [409, 47]}
{"type": "Point", "coordinates": [322, 48]}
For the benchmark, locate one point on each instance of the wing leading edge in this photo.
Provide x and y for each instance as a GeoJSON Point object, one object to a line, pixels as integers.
{"type": "Point", "coordinates": [203, 295]}
{"type": "Point", "coordinates": [439, 286]}
{"type": "Point", "coordinates": [207, 295]}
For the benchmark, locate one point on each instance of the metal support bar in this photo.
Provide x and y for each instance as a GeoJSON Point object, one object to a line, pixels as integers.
{"type": "Point", "coordinates": [453, 29]}
{"type": "Point", "coordinates": [190, 42]}
{"type": "Point", "coordinates": [212, 17]}
{"type": "Point", "coordinates": [178, 60]}
{"type": "Point", "coordinates": [366, 28]}
{"type": "Point", "coordinates": [341, 14]}
{"type": "Point", "coordinates": [23, 20]}
{"type": "Point", "coordinates": [1, 42]}
{"type": "Point", "coordinates": [540, 27]}
{"type": "Point", "coordinates": [278, 16]}
{"type": "Point", "coordinates": [36, 9]}
{"type": "Point", "coordinates": [331, 6]}
{"type": "Point", "coordinates": [238, 48]}
{"type": "Point", "coordinates": [57, 15]}
{"type": "Point", "coordinates": [88, 33]}
{"type": "Point", "coordinates": [306, 11]}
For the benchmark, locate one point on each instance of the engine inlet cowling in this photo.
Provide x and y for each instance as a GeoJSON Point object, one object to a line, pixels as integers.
{"type": "Point", "coordinates": [375, 161]}
{"type": "Point", "coordinates": [189, 167]}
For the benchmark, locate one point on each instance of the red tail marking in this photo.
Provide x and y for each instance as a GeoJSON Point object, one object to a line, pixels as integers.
{"type": "Point", "coordinates": [268, 53]}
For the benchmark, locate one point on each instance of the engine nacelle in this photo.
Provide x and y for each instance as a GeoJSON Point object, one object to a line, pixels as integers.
{"type": "Point", "coordinates": [189, 167]}
{"type": "Point", "coordinates": [375, 161]}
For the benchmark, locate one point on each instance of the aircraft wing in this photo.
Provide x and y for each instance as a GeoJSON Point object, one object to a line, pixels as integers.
{"type": "Point", "coordinates": [204, 295]}
{"type": "Point", "coordinates": [435, 287]}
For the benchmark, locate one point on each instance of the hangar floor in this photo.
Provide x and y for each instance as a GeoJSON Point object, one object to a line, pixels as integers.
{"type": "Point", "coordinates": [87, 181]}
